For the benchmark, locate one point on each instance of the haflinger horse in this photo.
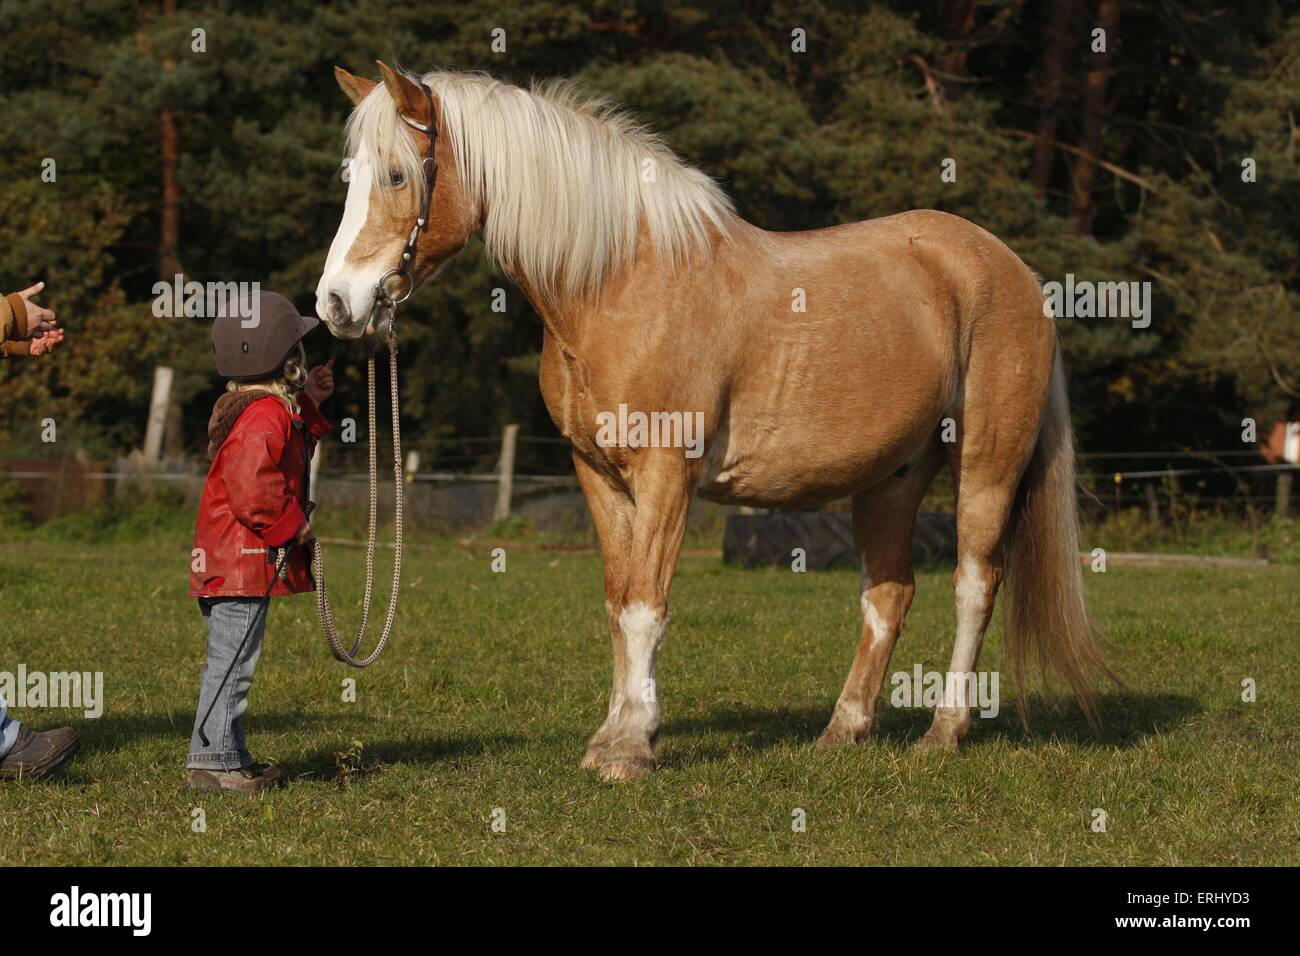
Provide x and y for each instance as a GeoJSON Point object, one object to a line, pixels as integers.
{"type": "Point", "coordinates": [826, 364]}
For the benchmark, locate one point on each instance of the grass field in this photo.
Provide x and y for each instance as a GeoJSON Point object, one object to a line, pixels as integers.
{"type": "Point", "coordinates": [495, 681]}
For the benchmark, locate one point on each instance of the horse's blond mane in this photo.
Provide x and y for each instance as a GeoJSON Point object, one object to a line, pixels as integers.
{"type": "Point", "coordinates": [566, 180]}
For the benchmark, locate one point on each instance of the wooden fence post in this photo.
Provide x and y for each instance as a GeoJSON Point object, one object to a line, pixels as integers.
{"type": "Point", "coordinates": [506, 480]}
{"type": "Point", "coordinates": [158, 404]}
{"type": "Point", "coordinates": [1153, 505]}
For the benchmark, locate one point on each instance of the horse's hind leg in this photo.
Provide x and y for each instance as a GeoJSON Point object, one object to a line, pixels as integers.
{"type": "Point", "coordinates": [997, 429]}
{"type": "Point", "coordinates": [883, 518]}
{"type": "Point", "coordinates": [983, 508]}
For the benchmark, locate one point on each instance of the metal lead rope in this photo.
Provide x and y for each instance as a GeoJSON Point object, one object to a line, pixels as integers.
{"type": "Point", "coordinates": [323, 608]}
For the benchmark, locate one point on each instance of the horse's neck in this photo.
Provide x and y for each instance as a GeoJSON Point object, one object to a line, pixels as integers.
{"type": "Point", "coordinates": [643, 279]}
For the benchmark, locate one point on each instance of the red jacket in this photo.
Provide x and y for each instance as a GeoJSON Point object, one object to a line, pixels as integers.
{"type": "Point", "coordinates": [254, 499]}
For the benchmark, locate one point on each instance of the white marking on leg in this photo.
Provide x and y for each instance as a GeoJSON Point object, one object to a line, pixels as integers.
{"type": "Point", "coordinates": [973, 594]}
{"type": "Point", "coordinates": [643, 634]}
{"type": "Point", "coordinates": [875, 621]}
{"type": "Point", "coordinates": [851, 709]}
{"type": "Point", "coordinates": [871, 616]}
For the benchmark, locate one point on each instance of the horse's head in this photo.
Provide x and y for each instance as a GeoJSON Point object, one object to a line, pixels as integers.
{"type": "Point", "coordinates": [387, 184]}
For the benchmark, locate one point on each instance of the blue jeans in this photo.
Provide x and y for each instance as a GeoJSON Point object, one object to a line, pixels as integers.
{"type": "Point", "coordinates": [227, 620]}
{"type": "Point", "coordinates": [8, 730]}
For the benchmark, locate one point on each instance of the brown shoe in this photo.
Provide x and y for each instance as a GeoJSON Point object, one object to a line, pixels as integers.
{"type": "Point", "coordinates": [254, 778]}
{"type": "Point", "coordinates": [268, 771]}
{"type": "Point", "coordinates": [38, 753]}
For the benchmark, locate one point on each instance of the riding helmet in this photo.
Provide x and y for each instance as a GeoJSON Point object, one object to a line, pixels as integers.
{"type": "Point", "coordinates": [254, 342]}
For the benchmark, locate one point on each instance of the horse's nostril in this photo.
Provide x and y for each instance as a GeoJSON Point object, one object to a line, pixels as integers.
{"type": "Point", "coordinates": [337, 310]}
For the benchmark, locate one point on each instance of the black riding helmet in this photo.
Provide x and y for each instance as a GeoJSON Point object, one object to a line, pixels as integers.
{"type": "Point", "coordinates": [254, 344]}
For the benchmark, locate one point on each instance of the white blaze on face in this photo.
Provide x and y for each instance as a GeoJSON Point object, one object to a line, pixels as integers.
{"type": "Point", "coordinates": [354, 285]}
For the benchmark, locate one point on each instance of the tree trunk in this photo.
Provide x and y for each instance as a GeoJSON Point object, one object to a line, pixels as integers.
{"type": "Point", "coordinates": [1050, 88]}
{"type": "Point", "coordinates": [959, 21]}
{"type": "Point", "coordinates": [1100, 67]}
{"type": "Point", "coordinates": [169, 264]}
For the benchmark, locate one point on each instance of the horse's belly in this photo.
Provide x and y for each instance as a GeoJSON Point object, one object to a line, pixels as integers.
{"type": "Point", "coordinates": [810, 465]}
{"type": "Point", "coordinates": [808, 425]}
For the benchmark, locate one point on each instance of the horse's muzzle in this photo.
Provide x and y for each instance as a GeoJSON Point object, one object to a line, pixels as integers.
{"type": "Point", "coordinates": [340, 320]}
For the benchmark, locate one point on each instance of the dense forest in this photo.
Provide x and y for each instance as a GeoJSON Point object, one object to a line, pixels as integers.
{"type": "Point", "coordinates": [1109, 140]}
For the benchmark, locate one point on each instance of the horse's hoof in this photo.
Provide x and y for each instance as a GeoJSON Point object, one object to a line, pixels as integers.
{"type": "Point", "coordinates": [937, 743]}
{"type": "Point", "coordinates": [837, 736]}
{"type": "Point", "coordinates": [627, 770]}
{"type": "Point", "coordinates": [619, 764]}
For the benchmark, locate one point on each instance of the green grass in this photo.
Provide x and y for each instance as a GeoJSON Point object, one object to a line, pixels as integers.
{"type": "Point", "coordinates": [1203, 533]}
{"type": "Point", "coordinates": [495, 681]}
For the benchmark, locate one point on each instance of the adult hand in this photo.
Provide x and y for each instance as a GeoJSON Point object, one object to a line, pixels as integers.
{"type": "Point", "coordinates": [305, 535]}
{"type": "Point", "coordinates": [46, 343]}
{"type": "Point", "coordinates": [39, 318]}
{"type": "Point", "coordinates": [320, 382]}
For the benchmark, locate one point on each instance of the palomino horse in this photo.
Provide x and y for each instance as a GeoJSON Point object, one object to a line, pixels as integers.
{"type": "Point", "coordinates": [825, 364]}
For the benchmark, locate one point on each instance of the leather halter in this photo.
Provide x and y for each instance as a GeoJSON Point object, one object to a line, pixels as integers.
{"type": "Point", "coordinates": [383, 299]}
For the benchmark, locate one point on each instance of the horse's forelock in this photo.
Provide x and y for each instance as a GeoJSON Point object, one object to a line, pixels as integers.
{"type": "Point", "coordinates": [376, 135]}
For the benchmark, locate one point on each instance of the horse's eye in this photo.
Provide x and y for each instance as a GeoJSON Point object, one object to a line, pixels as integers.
{"type": "Point", "coordinates": [396, 179]}
{"type": "Point", "coordinates": [347, 170]}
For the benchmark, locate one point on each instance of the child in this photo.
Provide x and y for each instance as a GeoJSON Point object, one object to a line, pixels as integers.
{"type": "Point", "coordinates": [260, 438]}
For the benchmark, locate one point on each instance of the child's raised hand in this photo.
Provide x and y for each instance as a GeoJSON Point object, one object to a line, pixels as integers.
{"type": "Point", "coordinates": [320, 382]}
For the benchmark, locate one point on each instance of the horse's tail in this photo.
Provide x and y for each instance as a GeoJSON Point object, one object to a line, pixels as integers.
{"type": "Point", "coordinates": [1046, 612]}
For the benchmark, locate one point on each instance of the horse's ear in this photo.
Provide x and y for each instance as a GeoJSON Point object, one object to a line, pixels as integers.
{"type": "Point", "coordinates": [356, 87]}
{"type": "Point", "coordinates": [406, 93]}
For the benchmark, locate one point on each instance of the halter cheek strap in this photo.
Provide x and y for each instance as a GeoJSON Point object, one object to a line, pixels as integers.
{"type": "Point", "coordinates": [384, 299]}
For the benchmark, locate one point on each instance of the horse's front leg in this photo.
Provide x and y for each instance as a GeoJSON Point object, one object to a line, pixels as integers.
{"type": "Point", "coordinates": [612, 512]}
{"type": "Point", "coordinates": [623, 748]}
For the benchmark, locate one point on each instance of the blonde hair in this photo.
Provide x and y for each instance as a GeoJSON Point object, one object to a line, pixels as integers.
{"type": "Point", "coordinates": [277, 387]}
{"type": "Point", "coordinates": [285, 385]}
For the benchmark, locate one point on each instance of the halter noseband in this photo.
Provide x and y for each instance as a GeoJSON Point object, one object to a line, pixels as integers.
{"type": "Point", "coordinates": [383, 300]}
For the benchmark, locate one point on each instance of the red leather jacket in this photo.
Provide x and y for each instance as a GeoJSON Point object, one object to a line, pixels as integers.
{"type": "Point", "coordinates": [254, 499]}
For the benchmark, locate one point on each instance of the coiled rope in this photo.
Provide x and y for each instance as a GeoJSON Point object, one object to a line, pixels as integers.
{"type": "Point", "coordinates": [323, 608]}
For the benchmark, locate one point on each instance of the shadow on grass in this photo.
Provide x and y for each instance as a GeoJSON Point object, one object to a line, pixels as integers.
{"type": "Point", "coordinates": [110, 733]}
{"type": "Point", "coordinates": [1127, 719]}
{"type": "Point", "coordinates": [340, 766]}
{"type": "Point", "coordinates": [332, 762]}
